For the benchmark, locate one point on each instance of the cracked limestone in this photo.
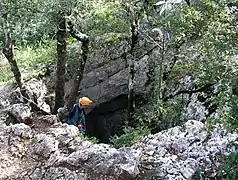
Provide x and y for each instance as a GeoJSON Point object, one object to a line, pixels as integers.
{"type": "Point", "coordinates": [59, 153]}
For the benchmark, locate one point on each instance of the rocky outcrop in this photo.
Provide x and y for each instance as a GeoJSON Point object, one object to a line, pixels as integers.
{"type": "Point", "coordinates": [179, 152]}
{"type": "Point", "coordinates": [105, 81]}
{"type": "Point", "coordinates": [106, 73]}
{"type": "Point", "coordinates": [60, 153]}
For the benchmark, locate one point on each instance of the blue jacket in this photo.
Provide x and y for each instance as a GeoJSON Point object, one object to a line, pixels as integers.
{"type": "Point", "coordinates": [76, 117]}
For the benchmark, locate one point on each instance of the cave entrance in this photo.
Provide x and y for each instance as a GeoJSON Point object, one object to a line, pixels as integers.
{"type": "Point", "coordinates": [107, 119]}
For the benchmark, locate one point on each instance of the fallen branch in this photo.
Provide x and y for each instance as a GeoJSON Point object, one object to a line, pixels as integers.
{"type": "Point", "coordinates": [35, 107]}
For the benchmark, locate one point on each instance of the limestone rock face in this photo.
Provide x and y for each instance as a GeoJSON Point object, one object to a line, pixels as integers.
{"type": "Point", "coordinates": [181, 151]}
{"type": "Point", "coordinates": [61, 153]}
{"type": "Point", "coordinates": [105, 81]}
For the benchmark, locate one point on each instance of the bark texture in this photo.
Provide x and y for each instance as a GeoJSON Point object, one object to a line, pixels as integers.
{"type": "Point", "coordinates": [131, 85]}
{"type": "Point", "coordinates": [78, 76]}
{"type": "Point", "coordinates": [8, 52]}
{"type": "Point", "coordinates": [61, 60]}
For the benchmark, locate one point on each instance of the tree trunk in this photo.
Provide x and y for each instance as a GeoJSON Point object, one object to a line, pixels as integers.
{"type": "Point", "coordinates": [160, 80]}
{"type": "Point", "coordinates": [161, 68]}
{"type": "Point", "coordinates": [8, 52]}
{"type": "Point", "coordinates": [61, 60]}
{"type": "Point", "coordinates": [131, 86]}
{"type": "Point", "coordinates": [81, 65]}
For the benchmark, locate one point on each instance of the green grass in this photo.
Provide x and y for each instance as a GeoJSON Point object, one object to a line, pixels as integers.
{"type": "Point", "coordinates": [5, 73]}
{"type": "Point", "coordinates": [30, 59]}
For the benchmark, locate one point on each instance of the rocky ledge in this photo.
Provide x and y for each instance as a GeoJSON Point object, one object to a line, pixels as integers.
{"type": "Point", "coordinates": [59, 152]}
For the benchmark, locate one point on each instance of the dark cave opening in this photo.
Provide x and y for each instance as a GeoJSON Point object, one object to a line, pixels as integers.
{"type": "Point", "coordinates": [107, 119]}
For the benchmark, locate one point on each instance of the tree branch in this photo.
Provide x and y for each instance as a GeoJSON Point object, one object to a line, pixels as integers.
{"type": "Point", "coordinates": [174, 59]}
{"type": "Point", "coordinates": [185, 91]}
{"type": "Point", "coordinates": [188, 2]}
{"type": "Point", "coordinates": [148, 52]}
{"type": "Point", "coordinates": [149, 37]}
{"type": "Point", "coordinates": [78, 76]}
{"type": "Point", "coordinates": [76, 33]}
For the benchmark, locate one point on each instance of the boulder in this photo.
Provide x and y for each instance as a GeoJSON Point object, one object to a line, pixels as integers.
{"type": "Point", "coordinates": [36, 89]}
{"type": "Point", "coordinates": [20, 112]}
{"type": "Point", "coordinates": [61, 153]}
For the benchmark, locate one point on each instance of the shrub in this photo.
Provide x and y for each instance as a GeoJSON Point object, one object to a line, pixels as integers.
{"type": "Point", "coordinates": [229, 167]}
{"type": "Point", "coordinates": [93, 140]}
{"type": "Point", "coordinates": [130, 137]}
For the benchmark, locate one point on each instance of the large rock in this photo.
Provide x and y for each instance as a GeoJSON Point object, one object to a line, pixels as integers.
{"type": "Point", "coordinates": [105, 81]}
{"type": "Point", "coordinates": [181, 151]}
{"type": "Point", "coordinates": [60, 153]}
{"type": "Point", "coordinates": [20, 111]}
{"type": "Point", "coordinates": [35, 88]}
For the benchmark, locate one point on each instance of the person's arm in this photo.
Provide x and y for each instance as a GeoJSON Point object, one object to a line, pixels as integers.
{"type": "Point", "coordinates": [74, 116]}
{"type": "Point", "coordinates": [82, 120]}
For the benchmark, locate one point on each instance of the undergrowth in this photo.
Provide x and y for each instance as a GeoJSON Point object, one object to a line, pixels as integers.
{"type": "Point", "coordinates": [129, 137]}
{"type": "Point", "coordinates": [31, 60]}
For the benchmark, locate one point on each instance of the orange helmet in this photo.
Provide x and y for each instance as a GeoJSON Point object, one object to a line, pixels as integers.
{"type": "Point", "coordinates": [84, 101]}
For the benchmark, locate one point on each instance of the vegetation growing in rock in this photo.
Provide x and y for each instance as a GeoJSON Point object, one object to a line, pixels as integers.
{"type": "Point", "coordinates": [229, 164]}
{"type": "Point", "coordinates": [131, 136]}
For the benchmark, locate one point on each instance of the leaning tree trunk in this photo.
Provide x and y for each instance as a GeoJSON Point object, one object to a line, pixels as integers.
{"type": "Point", "coordinates": [131, 85]}
{"type": "Point", "coordinates": [61, 60]}
{"type": "Point", "coordinates": [81, 65]}
{"type": "Point", "coordinates": [8, 52]}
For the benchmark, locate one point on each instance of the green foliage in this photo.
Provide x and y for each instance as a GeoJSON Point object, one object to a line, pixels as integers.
{"type": "Point", "coordinates": [107, 17]}
{"type": "Point", "coordinates": [5, 70]}
{"type": "Point", "coordinates": [114, 39]}
{"type": "Point", "coordinates": [93, 140]}
{"type": "Point", "coordinates": [31, 60]}
{"type": "Point", "coordinates": [197, 175]}
{"type": "Point", "coordinates": [229, 167]}
{"type": "Point", "coordinates": [24, 20]}
{"type": "Point", "coordinates": [203, 40]}
{"type": "Point", "coordinates": [161, 115]}
{"type": "Point", "coordinates": [230, 119]}
{"type": "Point", "coordinates": [212, 38]}
{"type": "Point", "coordinates": [227, 102]}
{"type": "Point", "coordinates": [129, 137]}
{"type": "Point", "coordinates": [35, 56]}
{"type": "Point", "coordinates": [210, 124]}
{"type": "Point", "coordinates": [73, 58]}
